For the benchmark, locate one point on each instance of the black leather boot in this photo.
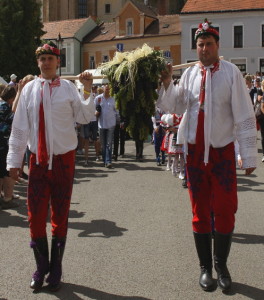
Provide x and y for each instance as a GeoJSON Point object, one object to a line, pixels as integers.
{"type": "Point", "coordinates": [203, 243]}
{"type": "Point", "coordinates": [57, 250]}
{"type": "Point", "coordinates": [41, 253]}
{"type": "Point", "coordinates": [222, 245]}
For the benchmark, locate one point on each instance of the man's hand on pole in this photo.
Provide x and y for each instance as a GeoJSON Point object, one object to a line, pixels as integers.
{"type": "Point", "coordinates": [166, 76]}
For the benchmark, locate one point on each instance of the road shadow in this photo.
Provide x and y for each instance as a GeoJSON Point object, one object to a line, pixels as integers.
{"type": "Point", "coordinates": [129, 163]}
{"type": "Point", "coordinates": [8, 220]}
{"type": "Point", "coordinates": [97, 228]}
{"type": "Point", "coordinates": [71, 291]}
{"type": "Point", "coordinates": [248, 291]}
{"type": "Point", "coordinates": [242, 238]}
{"type": "Point", "coordinates": [248, 183]}
{"type": "Point", "coordinates": [74, 214]}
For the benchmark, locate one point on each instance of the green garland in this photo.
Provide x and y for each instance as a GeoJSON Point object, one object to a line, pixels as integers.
{"type": "Point", "coordinates": [133, 77]}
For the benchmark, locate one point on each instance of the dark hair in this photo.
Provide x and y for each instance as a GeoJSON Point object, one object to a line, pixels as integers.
{"type": "Point", "coordinates": [8, 93]}
{"type": "Point", "coordinates": [205, 35]}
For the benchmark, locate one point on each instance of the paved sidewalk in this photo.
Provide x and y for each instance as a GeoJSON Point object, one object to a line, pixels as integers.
{"type": "Point", "coordinates": [130, 237]}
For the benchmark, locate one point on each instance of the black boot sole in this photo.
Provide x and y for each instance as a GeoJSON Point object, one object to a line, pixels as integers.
{"type": "Point", "coordinates": [225, 290]}
{"type": "Point", "coordinates": [36, 286]}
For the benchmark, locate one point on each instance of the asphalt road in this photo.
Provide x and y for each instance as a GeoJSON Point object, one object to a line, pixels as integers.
{"type": "Point", "coordinates": [130, 237]}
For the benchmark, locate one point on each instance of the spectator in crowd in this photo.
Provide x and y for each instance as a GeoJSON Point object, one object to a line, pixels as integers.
{"type": "Point", "coordinates": [6, 118]}
{"type": "Point", "coordinates": [260, 100]}
{"type": "Point", "coordinates": [13, 79]}
{"type": "Point", "coordinates": [90, 134]}
{"type": "Point", "coordinates": [2, 87]}
{"type": "Point", "coordinates": [258, 84]}
{"type": "Point", "coordinates": [106, 114]}
{"type": "Point", "coordinates": [119, 137]}
{"type": "Point", "coordinates": [158, 135]}
{"type": "Point", "coordinates": [20, 86]}
{"type": "Point", "coordinates": [251, 88]}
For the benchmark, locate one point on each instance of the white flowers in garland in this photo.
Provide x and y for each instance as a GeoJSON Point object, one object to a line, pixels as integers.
{"type": "Point", "coordinates": [133, 77]}
{"type": "Point", "coordinates": [129, 61]}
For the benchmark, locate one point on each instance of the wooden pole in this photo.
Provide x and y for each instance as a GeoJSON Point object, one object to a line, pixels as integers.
{"type": "Point", "coordinates": [76, 77]}
{"type": "Point", "coordinates": [177, 67]}
{"type": "Point", "coordinates": [182, 66]}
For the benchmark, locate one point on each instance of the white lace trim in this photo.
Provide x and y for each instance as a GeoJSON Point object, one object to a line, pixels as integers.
{"type": "Point", "coordinates": [17, 146]}
{"type": "Point", "coordinates": [246, 125]}
{"type": "Point", "coordinates": [250, 142]}
{"type": "Point", "coordinates": [247, 139]}
{"type": "Point", "coordinates": [249, 162]}
{"type": "Point", "coordinates": [18, 134]}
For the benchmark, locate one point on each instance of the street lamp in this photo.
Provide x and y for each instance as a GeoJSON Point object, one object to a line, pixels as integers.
{"type": "Point", "coordinates": [59, 44]}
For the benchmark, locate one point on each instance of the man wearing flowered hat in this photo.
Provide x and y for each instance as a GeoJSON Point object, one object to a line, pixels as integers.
{"type": "Point", "coordinates": [218, 111]}
{"type": "Point", "coordinates": [44, 120]}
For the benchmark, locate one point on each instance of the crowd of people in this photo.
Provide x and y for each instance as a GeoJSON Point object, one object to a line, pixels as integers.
{"type": "Point", "coordinates": [45, 119]}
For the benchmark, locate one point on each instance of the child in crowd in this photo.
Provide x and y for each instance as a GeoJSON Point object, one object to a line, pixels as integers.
{"type": "Point", "coordinates": [174, 150]}
{"type": "Point", "coordinates": [158, 135]}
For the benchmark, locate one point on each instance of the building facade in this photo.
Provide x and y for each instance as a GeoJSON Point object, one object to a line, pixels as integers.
{"type": "Point", "coordinates": [57, 10]}
{"type": "Point", "coordinates": [241, 30]}
{"type": "Point", "coordinates": [68, 35]}
{"type": "Point", "coordinates": [103, 10]}
{"type": "Point", "coordinates": [135, 25]}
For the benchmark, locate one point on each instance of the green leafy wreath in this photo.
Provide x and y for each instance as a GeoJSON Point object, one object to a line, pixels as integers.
{"type": "Point", "coordinates": [133, 77]}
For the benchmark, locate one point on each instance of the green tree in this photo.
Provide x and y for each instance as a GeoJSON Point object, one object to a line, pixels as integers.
{"type": "Point", "coordinates": [20, 33]}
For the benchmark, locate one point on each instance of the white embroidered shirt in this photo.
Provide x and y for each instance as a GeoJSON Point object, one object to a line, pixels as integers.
{"type": "Point", "coordinates": [67, 106]}
{"type": "Point", "coordinates": [228, 110]}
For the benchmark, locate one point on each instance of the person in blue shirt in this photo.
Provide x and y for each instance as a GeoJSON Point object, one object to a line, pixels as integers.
{"type": "Point", "coordinates": [107, 114]}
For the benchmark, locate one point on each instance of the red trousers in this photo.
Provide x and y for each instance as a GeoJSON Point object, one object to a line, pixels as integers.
{"type": "Point", "coordinates": [54, 187]}
{"type": "Point", "coordinates": [212, 188]}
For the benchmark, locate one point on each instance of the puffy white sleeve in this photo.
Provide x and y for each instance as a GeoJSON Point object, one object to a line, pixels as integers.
{"type": "Point", "coordinates": [19, 134]}
{"type": "Point", "coordinates": [83, 109]}
{"type": "Point", "coordinates": [173, 99]}
{"type": "Point", "coordinates": [245, 121]}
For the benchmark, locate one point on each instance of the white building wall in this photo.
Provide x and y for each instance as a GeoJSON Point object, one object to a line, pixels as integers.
{"type": "Point", "coordinates": [252, 50]}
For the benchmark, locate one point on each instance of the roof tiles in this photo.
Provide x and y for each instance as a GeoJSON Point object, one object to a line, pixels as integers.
{"type": "Point", "coordinates": [67, 28]}
{"type": "Point", "coordinates": [164, 25]}
{"type": "Point", "coordinates": [193, 6]}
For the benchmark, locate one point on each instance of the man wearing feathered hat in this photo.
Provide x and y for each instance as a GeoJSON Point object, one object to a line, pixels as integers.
{"type": "Point", "coordinates": [219, 111]}
{"type": "Point", "coordinates": [47, 111]}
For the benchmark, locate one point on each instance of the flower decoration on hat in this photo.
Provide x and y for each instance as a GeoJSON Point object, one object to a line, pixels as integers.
{"type": "Point", "coordinates": [206, 28]}
{"type": "Point", "coordinates": [47, 49]}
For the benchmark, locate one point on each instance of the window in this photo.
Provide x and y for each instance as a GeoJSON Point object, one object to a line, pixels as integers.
{"type": "Point", "coordinates": [129, 27]}
{"type": "Point", "coordinates": [261, 66]}
{"type": "Point", "coordinates": [63, 58]}
{"type": "Point", "coordinates": [193, 40]}
{"type": "Point", "coordinates": [167, 54]}
{"type": "Point", "coordinates": [242, 67]}
{"type": "Point", "coordinates": [241, 63]}
{"type": "Point", "coordinates": [107, 8]}
{"type": "Point", "coordinates": [120, 47]}
{"type": "Point", "coordinates": [82, 8]}
{"type": "Point", "coordinates": [193, 34]}
{"type": "Point", "coordinates": [105, 58]}
{"type": "Point", "coordinates": [262, 31]}
{"type": "Point", "coordinates": [238, 36]}
{"type": "Point", "coordinates": [92, 62]}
